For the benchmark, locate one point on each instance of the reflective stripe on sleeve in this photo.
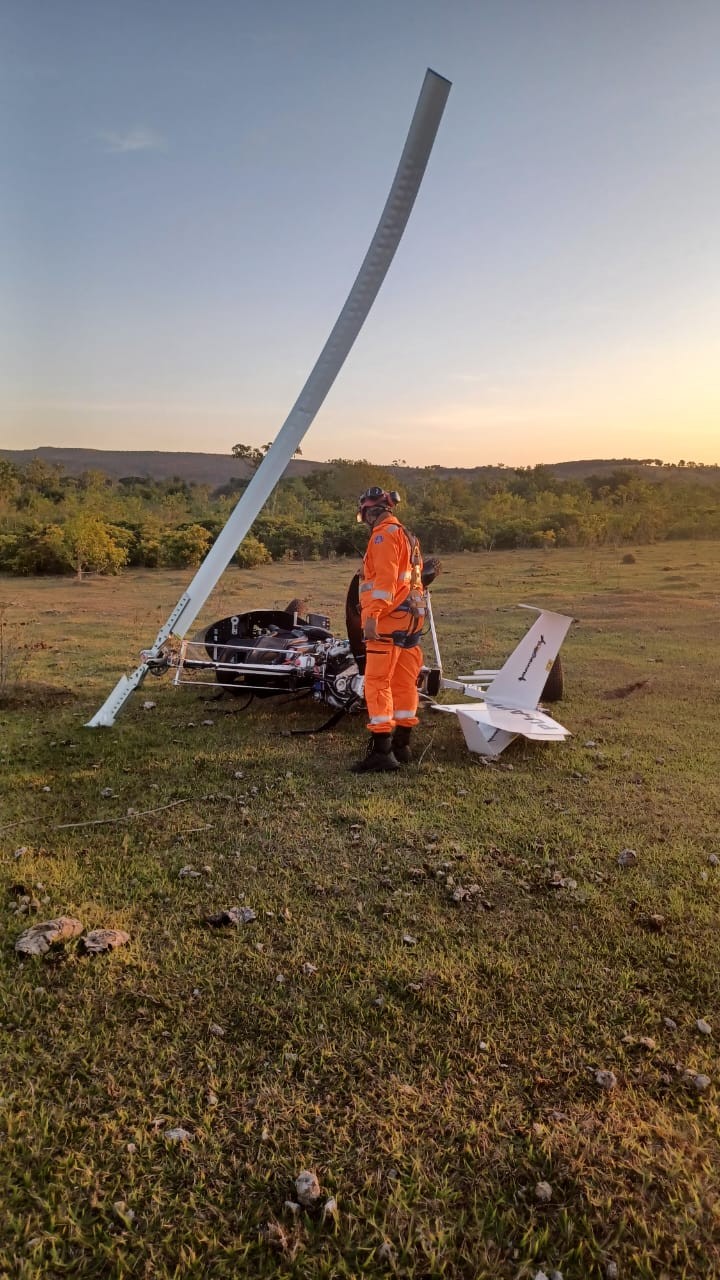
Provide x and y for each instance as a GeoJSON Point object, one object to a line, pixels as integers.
{"type": "Point", "coordinates": [381, 595]}
{"type": "Point", "coordinates": [366, 586]}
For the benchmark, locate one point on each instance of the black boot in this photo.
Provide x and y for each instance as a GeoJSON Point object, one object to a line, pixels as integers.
{"type": "Point", "coordinates": [401, 744]}
{"type": "Point", "coordinates": [379, 756]}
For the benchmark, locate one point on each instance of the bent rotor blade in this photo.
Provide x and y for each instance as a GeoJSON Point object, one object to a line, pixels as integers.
{"type": "Point", "coordinates": [393, 220]}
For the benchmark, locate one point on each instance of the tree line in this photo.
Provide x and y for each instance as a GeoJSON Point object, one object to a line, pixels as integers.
{"type": "Point", "coordinates": [55, 523]}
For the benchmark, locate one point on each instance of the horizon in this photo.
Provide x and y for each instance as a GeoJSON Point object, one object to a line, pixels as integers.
{"type": "Point", "coordinates": [183, 225]}
{"type": "Point", "coordinates": [395, 464]}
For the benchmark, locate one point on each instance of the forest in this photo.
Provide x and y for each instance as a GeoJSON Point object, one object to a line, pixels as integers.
{"type": "Point", "coordinates": [52, 522]}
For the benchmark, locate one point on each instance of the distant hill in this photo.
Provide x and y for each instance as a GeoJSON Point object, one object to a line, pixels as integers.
{"type": "Point", "coordinates": [216, 469]}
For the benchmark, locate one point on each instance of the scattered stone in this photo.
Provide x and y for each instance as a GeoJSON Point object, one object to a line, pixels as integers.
{"type": "Point", "coordinates": [178, 1135]}
{"type": "Point", "coordinates": [308, 968]}
{"type": "Point", "coordinates": [627, 858]}
{"type": "Point", "coordinates": [189, 873]}
{"type": "Point", "coordinates": [26, 904]}
{"type": "Point", "coordinates": [208, 722]}
{"type": "Point", "coordinates": [556, 880]}
{"type": "Point", "coordinates": [543, 1192]}
{"type": "Point", "coordinates": [293, 1208]}
{"type": "Point", "coordinates": [131, 1148]}
{"type": "Point", "coordinates": [149, 706]}
{"type": "Point", "coordinates": [107, 792]}
{"type": "Point", "coordinates": [231, 916]}
{"type": "Point", "coordinates": [703, 1027]}
{"type": "Point", "coordinates": [307, 1189]}
{"type": "Point", "coordinates": [670, 1023]}
{"type": "Point", "coordinates": [408, 940]}
{"type": "Point", "coordinates": [98, 941]}
{"type": "Point", "coordinates": [216, 1030]}
{"type": "Point", "coordinates": [606, 1079]}
{"type": "Point", "coordinates": [696, 1081]}
{"type": "Point", "coordinates": [212, 1098]}
{"type": "Point", "coordinates": [640, 1042]}
{"type": "Point", "coordinates": [39, 938]}
{"type": "Point", "coordinates": [590, 743]}
{"type": "Point", "coordinates": [611, 1271]}
{"type": "Point", "coordinates": [386, 1254]}
{"type": "Point", "coordinates": [713, 859]}
{"type": "Point", "coordinates": [122, 1211]}
{"type": "Point", "coordinates": [329, 1209]}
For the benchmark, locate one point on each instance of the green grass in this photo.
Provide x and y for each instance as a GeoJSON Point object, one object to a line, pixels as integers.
{"type": "Point", "coordinates": [431, 1086]}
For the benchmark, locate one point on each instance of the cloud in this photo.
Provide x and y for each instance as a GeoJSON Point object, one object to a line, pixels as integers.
{"type": "Point", "coordinates": [139, 139]}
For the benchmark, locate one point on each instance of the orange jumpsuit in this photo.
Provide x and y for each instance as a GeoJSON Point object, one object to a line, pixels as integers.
{"type": "Point", "coordinates": [394, 660]}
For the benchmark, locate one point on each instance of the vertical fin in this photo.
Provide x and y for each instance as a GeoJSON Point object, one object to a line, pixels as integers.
{"type": "Point", "coordinates": [522, 679]}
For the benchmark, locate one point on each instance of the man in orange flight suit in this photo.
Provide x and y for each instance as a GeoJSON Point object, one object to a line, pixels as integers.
{"type": "Point", "coordinates": [393, 612]}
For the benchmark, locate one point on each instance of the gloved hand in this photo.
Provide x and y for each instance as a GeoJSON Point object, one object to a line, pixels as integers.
{"type": "Point", "coordinates": [370, 631]}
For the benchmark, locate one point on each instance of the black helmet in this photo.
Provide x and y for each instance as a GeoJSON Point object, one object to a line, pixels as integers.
{"type": "Point", "coordinates": [376, 497]}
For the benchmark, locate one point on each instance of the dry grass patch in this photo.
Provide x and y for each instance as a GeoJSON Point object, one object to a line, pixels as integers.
{"type": "Point", "coordinates": [432, 1054]}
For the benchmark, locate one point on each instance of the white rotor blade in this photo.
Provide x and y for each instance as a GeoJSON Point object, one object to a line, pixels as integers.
{"type": "Point", "coordinates": [406, 184]}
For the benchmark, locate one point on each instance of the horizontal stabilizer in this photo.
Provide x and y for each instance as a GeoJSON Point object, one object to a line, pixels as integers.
{"type": "Point", "coordinates": [482, 737]}
{"type": "Point", "coordinates": [489, 728]}
{"type": "Point", "coordinates": [531, 724]}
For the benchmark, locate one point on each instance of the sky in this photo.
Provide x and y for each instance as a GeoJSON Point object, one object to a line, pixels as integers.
{"type": "Point", "coordinates": [193, 185]}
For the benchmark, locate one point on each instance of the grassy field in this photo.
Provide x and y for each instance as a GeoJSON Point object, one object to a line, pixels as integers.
{"type": "Point", "coordinates": [433, 1061]}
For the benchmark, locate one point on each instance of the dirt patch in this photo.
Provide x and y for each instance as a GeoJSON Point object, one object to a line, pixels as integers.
{"type": "Point", "coordinates": [625, 690]}
{"type": "Point", "coordinates": [34, 695]}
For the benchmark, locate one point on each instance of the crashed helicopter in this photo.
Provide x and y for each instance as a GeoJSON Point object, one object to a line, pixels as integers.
{"type": "Point", "coordinates": [267, 651]}
{"type": "Point", "coordinates": [376, 263]}
{"type": "Point", "coordinates": [264, 653]}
